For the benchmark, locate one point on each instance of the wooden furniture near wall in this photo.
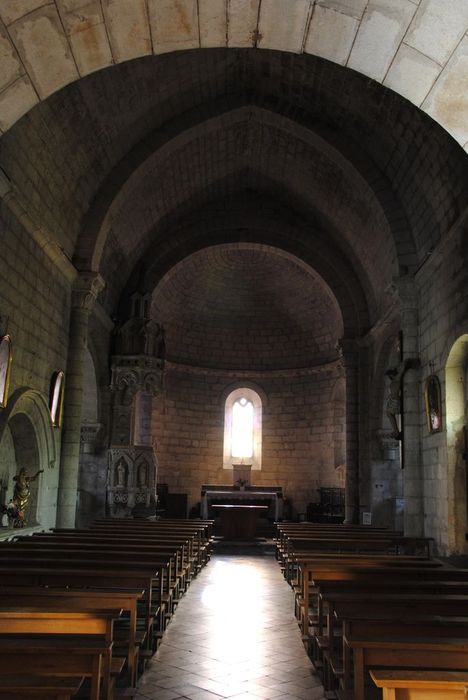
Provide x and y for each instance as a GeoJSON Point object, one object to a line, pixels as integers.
{"type": "Point", "coordinates": [421, 685]}
{"type": "Point", "coordinates": [94, 603]}
{"type": "Point", "coordinates": [364, 608]}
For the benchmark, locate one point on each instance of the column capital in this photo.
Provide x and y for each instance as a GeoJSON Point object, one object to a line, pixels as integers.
{"type": "Point", "coordinates": [86, 289]}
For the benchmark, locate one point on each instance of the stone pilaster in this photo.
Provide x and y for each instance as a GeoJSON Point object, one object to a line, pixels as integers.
{"type": "Point", "coordinates": [350, 360]}
{"type": "Point", "coordinates": [84, 294]}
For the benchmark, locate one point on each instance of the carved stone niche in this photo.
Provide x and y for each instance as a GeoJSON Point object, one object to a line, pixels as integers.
{"type": "Point", "coordinates": [140, 336]}
{"type": "Point", "coordinates": [131, 481]}
{"type": "Point", "coordinates": [131, 374]}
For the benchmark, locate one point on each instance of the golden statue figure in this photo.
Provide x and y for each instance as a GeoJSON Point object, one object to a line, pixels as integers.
{"type": "Point", "coordinates": [22, 492]}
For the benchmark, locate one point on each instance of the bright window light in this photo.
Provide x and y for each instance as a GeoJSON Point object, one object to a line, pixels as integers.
{"type": "Point", "coordinates": [242, 428]}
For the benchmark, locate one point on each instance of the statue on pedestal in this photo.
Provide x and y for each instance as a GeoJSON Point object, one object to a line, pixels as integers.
{"type": "Point", "coordinates": [21, 495]}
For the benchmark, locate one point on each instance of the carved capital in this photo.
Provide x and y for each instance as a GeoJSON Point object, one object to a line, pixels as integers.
{"type": "Point", "coordinates": [132, 373]}
{"type": "Point", "coordinates": [86, 290]}
{"type": "Point", "coordinates": [125, 379]}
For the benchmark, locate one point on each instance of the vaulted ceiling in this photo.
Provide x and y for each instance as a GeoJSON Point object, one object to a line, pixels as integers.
{"type": "Point", "coordinates": [134, 168]}
{"type": "Point", "coordinates": [418, 48]}
{"type": "Point", "coordinates": [246, 306]}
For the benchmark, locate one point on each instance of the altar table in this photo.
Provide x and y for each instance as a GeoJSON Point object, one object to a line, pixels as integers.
{"type": "Point", "coordinates": [239, 522]}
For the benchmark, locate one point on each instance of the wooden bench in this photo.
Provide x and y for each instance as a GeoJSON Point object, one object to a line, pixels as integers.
{"type": "Point", "coordinates": [86, 576]}
{"type": "Point", "coordinates": [166, 563]}
{"type": "Point", "coordinates": [21, 686]}
{"type": "Point", "coordinates": [52, 623]}
{"type": "Point", "coordinates": [402, 652]}
{"type": "Point", "coordinates": [150, 565]}
{"type": "Point", "coordinates": [421, 685]}
{"type": "Point", "coordinates": [347, 567]}
{"type": "Point", "coordinates": [77, 600]}
{"type": "Point", "coordinates": [360, 616]}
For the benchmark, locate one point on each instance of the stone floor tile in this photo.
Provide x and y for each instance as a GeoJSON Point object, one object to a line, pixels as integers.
{"type": "Point", "coordinates": [203, 695]}
{"type": "Point", "coordinates": [234, 635]}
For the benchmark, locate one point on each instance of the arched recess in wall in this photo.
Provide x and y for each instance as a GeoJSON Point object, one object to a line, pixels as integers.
{"type": "Point", "coordinates": [456, 402]}
{"type": "Point", "coordinates": [27, 440]}
{"type": "Point", "coordinates": [244, 398]}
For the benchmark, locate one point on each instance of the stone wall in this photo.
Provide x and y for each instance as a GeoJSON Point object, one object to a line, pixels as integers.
{"type": "Point", "coordinates": [443, 282]}
{"type": "Point", "coordinates": [34, 309]}
{"type": "Point", "coordinates": [297, 435]}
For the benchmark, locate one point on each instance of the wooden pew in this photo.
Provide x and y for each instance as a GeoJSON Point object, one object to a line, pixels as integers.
{"type": "Point", "coordinates": [178, 547]}
{"type": "Point", "coordinates": [112, 552]}
{"type": "Point", "coordinates": [90, 599]}
{"type": "Point", "coordinates": [87, 576]}
{"type": "Point", "coordinates": [199, 547]}
{"type": "Point", "coordinates": [421, 685]}
{"type": "Point", "coordinates": [391, 613]}
{"type": "Point", "coordinates": [347, 566]}
{"type": "Point", "coordinates": [137, 555]}
{"type": "Point", "coordinates": [21, 686]}
{"type": "Point", "coordinates": [432, 652]}
{"type": "Point", "coordinates": [369, 576]}
{"type": "Point", "coordinates": [56, 621]}
{"type": "Point", "coordinates": [200, 533]}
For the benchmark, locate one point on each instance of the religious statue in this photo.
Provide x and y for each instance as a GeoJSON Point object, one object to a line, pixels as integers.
{"type": "Point", "coordinates": [393, 404]}
{"type": "Point", "coordinates": [121, 474]}
{"type": "Point", "coordinates": [22, 493]}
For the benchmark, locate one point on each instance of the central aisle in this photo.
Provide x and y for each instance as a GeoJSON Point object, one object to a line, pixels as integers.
{"type": "Point", "coordinates": [234, 635]}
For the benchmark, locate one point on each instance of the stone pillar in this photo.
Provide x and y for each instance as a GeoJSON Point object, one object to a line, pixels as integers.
{"type": "Point", "coordinates": [350, 359]}
{"type": "Point", "coordinates": [84, 294]}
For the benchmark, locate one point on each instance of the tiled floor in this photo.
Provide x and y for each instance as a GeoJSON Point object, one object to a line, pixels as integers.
{"type": "Point", "coordinates": [234, 635]}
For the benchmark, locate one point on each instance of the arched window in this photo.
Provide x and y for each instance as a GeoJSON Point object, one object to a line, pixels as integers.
{"type": "Point", "coordinates": [243, 428]}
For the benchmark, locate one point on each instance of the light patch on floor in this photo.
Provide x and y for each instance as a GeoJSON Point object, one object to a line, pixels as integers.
{"type": "Point", "coordinates": [234, 635]}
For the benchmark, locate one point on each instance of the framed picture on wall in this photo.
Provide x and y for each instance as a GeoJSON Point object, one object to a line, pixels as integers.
{"type": "Point", "coordinates": [57, 386]}
{"type": "Point", "coordinates": [5, 369]}
{"type": "Point", "coordinates": [433, 399]}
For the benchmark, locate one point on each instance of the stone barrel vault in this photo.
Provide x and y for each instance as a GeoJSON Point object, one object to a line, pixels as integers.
{"type": "Point", "coordinates": [418, 48]}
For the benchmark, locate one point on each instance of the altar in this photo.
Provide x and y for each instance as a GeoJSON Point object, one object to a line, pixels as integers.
{"type": "Point", "coordinates": [239, 522]}
{"type": "Point", "coordinates": [271, 496]}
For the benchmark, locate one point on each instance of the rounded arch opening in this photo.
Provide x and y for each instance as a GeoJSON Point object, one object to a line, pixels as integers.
{"type": "Point", "coordinates": [456, 405]}
{"type": "Point", "coordinates": [243, 428]}
{"type": "Point", "coordinates": [27, 441]}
